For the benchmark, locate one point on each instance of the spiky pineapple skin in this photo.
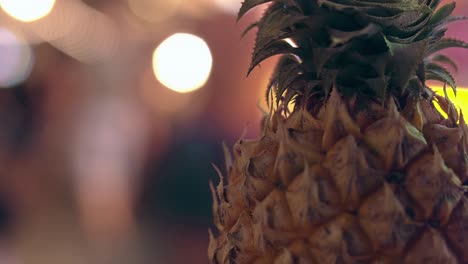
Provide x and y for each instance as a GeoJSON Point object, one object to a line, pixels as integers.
{"type": "Point", "coordinates": [341, 185]}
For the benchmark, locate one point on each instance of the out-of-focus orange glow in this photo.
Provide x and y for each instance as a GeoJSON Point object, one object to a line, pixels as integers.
{"type": "Point", "coordinates": [228, 6]}
{"type": "Point", "coordinates": [77, 29]}
{"type": "Point", "coordinates": [17, 59]}
{"type": "Point", "coordinates": [153, 95]}
{"type": "Point", "coordinates": [93, 37]}
{"type": "Point", "coordinates": [146, 9]}
{"type": "Point", "coordinates": [182, 62]}
{"type": "Point", "coordinates": [27, 10]}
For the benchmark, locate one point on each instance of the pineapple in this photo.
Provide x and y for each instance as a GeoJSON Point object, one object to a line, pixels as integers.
{"type": "Point", "coordinates": [355, 164]}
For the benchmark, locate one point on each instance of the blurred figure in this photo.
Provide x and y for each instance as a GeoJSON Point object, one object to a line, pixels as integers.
{"type": "Point", "coordinates": [110, 142]}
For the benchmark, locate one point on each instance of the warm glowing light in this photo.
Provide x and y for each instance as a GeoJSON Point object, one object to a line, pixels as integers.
{"type": "Point", "coordinates": [153, 11]}
{"type": "Point", "coordinates": [27, 10]}
{"type": "Point", "coordinates": [460, 101]}
{"type": "Point", "coordinates": [182, 62]}
{"type": "Point", "coordinates": [228, 6]}
{"type": "Point", "coordinates": [291, 42]}
{"type": "Point", "coordinates": [17, 59]}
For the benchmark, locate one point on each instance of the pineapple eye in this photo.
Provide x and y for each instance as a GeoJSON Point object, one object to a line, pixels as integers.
{"type": "Point", "coordinates": [27, 10]}
{"type": "Point", "coordinates": [182, 62]}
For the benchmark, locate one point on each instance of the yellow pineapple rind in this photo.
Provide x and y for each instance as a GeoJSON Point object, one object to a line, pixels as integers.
{"type": "Point", "coordinates": [346, 187]}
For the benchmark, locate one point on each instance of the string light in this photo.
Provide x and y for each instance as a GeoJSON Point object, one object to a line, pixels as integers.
{"type": "Point", "coordinates": [27, 10]}
{"type": "Point", "coordinates": [182, 62]}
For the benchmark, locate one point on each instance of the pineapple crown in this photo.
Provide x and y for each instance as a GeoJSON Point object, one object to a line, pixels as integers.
{"type": "Point", "coordinates": [367, 49]}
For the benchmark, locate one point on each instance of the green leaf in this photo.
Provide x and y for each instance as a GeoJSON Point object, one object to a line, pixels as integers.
{"type": "Point", "coordinates": [435, 77]}
{"type": "Point", "coordinates": [378, 86]}
{"type": "Point", "coordinates": [442, 13]}
{"type": "Point", "coordinates": [274, 48]}
{"type": "Point", "coordinates": [404, 20]}
{"type": "Point", "coordinates": [429, 30]}
{"type": "Point", "coordinates": [407, 39]}
{"type": "Point", "coordinates": [250, 27]}
{"type": "Point", "coordinates": [444, 22]}
{"type": "Point", "coordinates": [398, 5]}
{"type": "Point", "coordinates": [446, 60]}
{"type": "Point", "coordinates": [249, 4]}
{"type": "Point", "coordinates": [436, 72]}
{"type": "Point", "coordinates": [445, 91]}
{"type": "Point", "coordinates": [338, 45]}
{"type": "Point", "coordinates": [320, 56]}
{"type": "Point", "coordinates": [339, 37]}
{"type": "Point", "coordinates": [286, 71]}
{"type": "Point", "coordinates": [452, 19]}
{"type": "Point", "coordinates": [412, 23]}
{"type": "Point", "coordinates": [288, 76]}
{"type": "Point", "coordinates": [415, 86]}
{"type": "Point", "coordinates": [393, 46]}
{"type": "Point", "coordinates": [445, 44]}
{"type": "Point", "coordinates": [328, 78]}
{"type": "Point", "coordinates": [275, 26]}
{"type": "Point", "coordinates": [288, 97]}
{"type": "Point", "coordinates": [434, 4]}
{"type": "Point", "coordinates": [404, 61]}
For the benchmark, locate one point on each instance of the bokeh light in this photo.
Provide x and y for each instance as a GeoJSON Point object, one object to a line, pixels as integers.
{"type": "Point", "coordinates": [153, 11]}
{"type": "Point", "coordinates": [228, 6]}
{"type": "Point", "coordinates": [17, 59]}
{"type": "Point", "coordinates": [182, 62]}
{"type": "Point", "coordinates": [27, 10]}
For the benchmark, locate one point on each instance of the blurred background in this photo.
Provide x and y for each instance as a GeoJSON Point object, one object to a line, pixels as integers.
{"type": "Point", "coordinates": [111, 115]}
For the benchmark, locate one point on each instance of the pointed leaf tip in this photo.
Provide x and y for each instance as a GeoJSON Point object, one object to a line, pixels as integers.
{"type": "Point", "coordinates": [442, 13]}
{"type": "Point", "coordinates": [249, 4]}
{"type": "Point", "coordinates": [446, 60]}
{"type": "Point", "coordinates": [249, 28]}
{"type": "Point", "coordinates": [439, 73]}
{"type": "Point", "coordinates": [445, 44]}
{"type": "Point", "coordinates": [275, 48]}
